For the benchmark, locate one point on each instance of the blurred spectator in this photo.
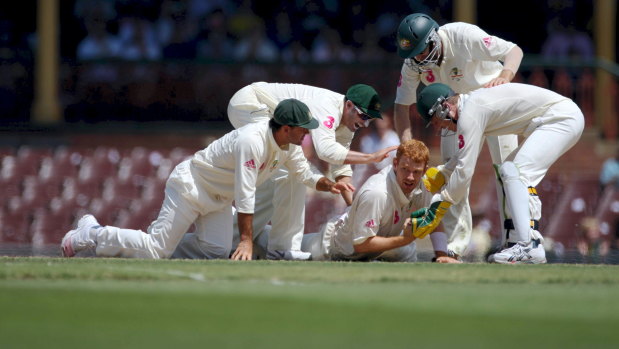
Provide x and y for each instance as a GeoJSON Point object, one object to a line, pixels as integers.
{"type": "Point", "coordinates": [383, 136]}
{"type": "Point", "coordinates": [138, 40]}
{"type": "Point", "coordinates": [378, 136]}
{"type": "Point", "coordinates": [183, 36]}
{"type": "Point", "coordinates": [609, 174]}
{"type": "Point", "coordinates": [98, 43]}
{"type": "Point", "coordinates": [243, 20]}
{"type": "Point", "coordinates": [564, 40]}
{"type": "Point", "coordinates": [371, 51]}
{"type": "Point", "coordinates": [14, 69]}
{"type": "Point", "coordinates": [256, 46]}
{"type": "Point", "coordinates": [328, 47]}
{"type": "Point", "coordinates": [214, 41]}
{"type": "Point", "coordinates": [592, 246]}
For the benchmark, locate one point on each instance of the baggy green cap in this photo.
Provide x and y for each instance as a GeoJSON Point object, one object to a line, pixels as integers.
{"type": "Point", "coordinates": [293, 112]}
{"type": "Point", "coordinates": [365, 98]}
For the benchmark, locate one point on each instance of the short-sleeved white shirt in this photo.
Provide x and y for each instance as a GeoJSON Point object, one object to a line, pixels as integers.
{"type": "Point", "coordinates": [379, 209]}
{"type": "Point", "coordinates": [470, 59]}
{"type": "Point", "coordinates": [235, 164]}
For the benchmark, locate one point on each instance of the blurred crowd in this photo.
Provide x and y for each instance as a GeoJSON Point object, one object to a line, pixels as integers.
{"type": "Point", "coordinates": [118, 56]}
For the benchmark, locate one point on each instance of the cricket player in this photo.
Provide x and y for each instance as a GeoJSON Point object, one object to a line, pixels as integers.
{"type": "Point", "coordinates": [201, 190]}
{"type": "Point", "coordinates": [339, 116]}
{"type": "Point", "coordinates": [374, 227]}
{"type": "Point", "coordinates": [465, 58]}
{"type": "Point", "coordinates": [550, 123]}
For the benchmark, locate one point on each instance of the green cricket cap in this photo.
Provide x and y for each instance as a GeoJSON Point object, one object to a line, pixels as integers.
{"type": "Point", "coordinates": [365, 98]}
{"type": "Point", "coordinates": [293, 112]}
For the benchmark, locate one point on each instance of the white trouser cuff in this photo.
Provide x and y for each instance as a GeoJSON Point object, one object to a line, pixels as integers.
{"type": "Point", "coordinates": [439, 241]}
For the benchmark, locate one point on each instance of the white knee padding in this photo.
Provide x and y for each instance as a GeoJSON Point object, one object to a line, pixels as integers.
{"type": "Point", "coordinates": [509, 171]}
{"type": "Point", "coordinates": [517, 198]}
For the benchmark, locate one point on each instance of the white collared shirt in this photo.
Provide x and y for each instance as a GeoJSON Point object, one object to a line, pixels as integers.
{"type": "Point", "coordinates": [470, 59]}
{"type": "Point", "coordinates": [235, 164]}
{"type": "Point", "coordinates": [378, 209]}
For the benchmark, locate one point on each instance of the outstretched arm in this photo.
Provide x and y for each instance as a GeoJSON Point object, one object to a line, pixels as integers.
{"type": "Point", "coordinates": [356, 158]}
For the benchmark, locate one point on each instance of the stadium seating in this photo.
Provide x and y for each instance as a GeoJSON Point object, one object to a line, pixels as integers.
{"type": "Point", "coordinates": [47, 189]}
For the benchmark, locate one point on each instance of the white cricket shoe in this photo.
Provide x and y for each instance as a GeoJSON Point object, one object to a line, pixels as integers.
{"type": "Point", "coordinates": [78, 240]}
{"type": "Point", "coordinates": [289, 255]}
{"type": "Point", "coordinates": [521, 253]}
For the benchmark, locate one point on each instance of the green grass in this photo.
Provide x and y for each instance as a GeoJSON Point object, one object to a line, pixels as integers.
{"type": "Point", "coordinates": [119, 303]}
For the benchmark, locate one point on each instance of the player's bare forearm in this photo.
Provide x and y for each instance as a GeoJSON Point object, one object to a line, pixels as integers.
{"type": "Point", "coordinates": [358, 158]}
{"type": "Point", "coordinates": [402, 122]}
{"type": "Point", "coordinates": [346, 195]}
{"type": "Point", "coordinates": [377, 244]}
{"type": "Point", "coordinates": [510, 67]}
{"type": "Point", "coordinates": [324, 184]}
{"type": "Point", "coordinates": [244, 250]}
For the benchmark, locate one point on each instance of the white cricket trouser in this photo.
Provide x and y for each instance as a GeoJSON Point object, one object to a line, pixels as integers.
{"type": "Point", "coordinates": [500, 148]}
{"type": "Point", "coordinates": [281, 199]}
{"type": "Point", "coordinates": [549, 137]}
{"type": "Point", "coordinates": [458, 221]}
{"type": "Point", "coordinates": [184, 204]}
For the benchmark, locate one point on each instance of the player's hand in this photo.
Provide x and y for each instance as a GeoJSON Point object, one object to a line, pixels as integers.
{"type": "Point", "coordinates": [496, 82]}
{"type": "Point", "coordinates": [425, 220]}
{"type": "Point", "coordinates": [383, 153]}
{"type": "Point", "coordinates": [243, 251]}
{"type": "Point", "coordinates": [447, 260]}
{"type": "Point", "coordinates": [340, 186]}
{"type": "Point", "coordinates": [433, 179]}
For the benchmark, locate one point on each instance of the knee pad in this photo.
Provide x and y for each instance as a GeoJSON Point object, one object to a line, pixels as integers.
{"type": "Point", "coordinates": [509, 171]}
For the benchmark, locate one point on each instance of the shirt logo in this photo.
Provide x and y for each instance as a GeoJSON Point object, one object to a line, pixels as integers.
{"type": "Point", "coordinates": [370, 223]}
{"type": "Point", "coordinates": [460, 141]}
{"type": "Point", "coordinates": [250, 164]}
{"type": "Point", "coordinates": [329, 122]}
{"type": "Point", "coordinates": [273, 165]}
{"type": "Point", "coordinates": [396, 217]}
{"type": "Point", "coordinates": [456, 74]}
{"type": "Point", "coordinates": [488, 41]}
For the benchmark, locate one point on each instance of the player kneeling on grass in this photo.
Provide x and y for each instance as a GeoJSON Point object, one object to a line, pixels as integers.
{"type": "Point", "coordinates": [200, 191]}
{"type": "Point", "coordinates": [376, 226]}
{"type": "Point", "coordinates": [550, 123]}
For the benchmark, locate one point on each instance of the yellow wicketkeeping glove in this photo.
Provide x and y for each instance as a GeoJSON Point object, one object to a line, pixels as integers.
{"type": "Point", "coordinates": [425, 220]}
{"type": "Point", "coordinates": [433, 179]}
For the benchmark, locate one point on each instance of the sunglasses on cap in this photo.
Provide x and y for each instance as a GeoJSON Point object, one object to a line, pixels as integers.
{"type": "Point", "coordinates": [362, 115]}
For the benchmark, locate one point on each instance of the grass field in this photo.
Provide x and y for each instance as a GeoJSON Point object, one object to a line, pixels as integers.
{"type": "Point", "coordinates": [119, 303]}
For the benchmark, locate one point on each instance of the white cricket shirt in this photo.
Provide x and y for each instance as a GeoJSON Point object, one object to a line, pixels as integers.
{"type": "Point", "coordinates": [331, 139]}
{"type": "Point", "coordinates": [505, 109]}
{"type": "Point", "coordinates": [470, 59]}
{"type": "Point", "coordinates": [379, 209]}
{"type": "Point", "coordinates": [235, 164]}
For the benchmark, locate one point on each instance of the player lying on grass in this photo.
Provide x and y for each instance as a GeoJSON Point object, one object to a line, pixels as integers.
{"type": "Point", "coordinates": [550, 123]}
{"type": "Point", "coordinates": [339, 117]}
{"type": "Point", "coordinates": [374, 227]}
{"type": "Point", "coordinates": [200, 191]}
